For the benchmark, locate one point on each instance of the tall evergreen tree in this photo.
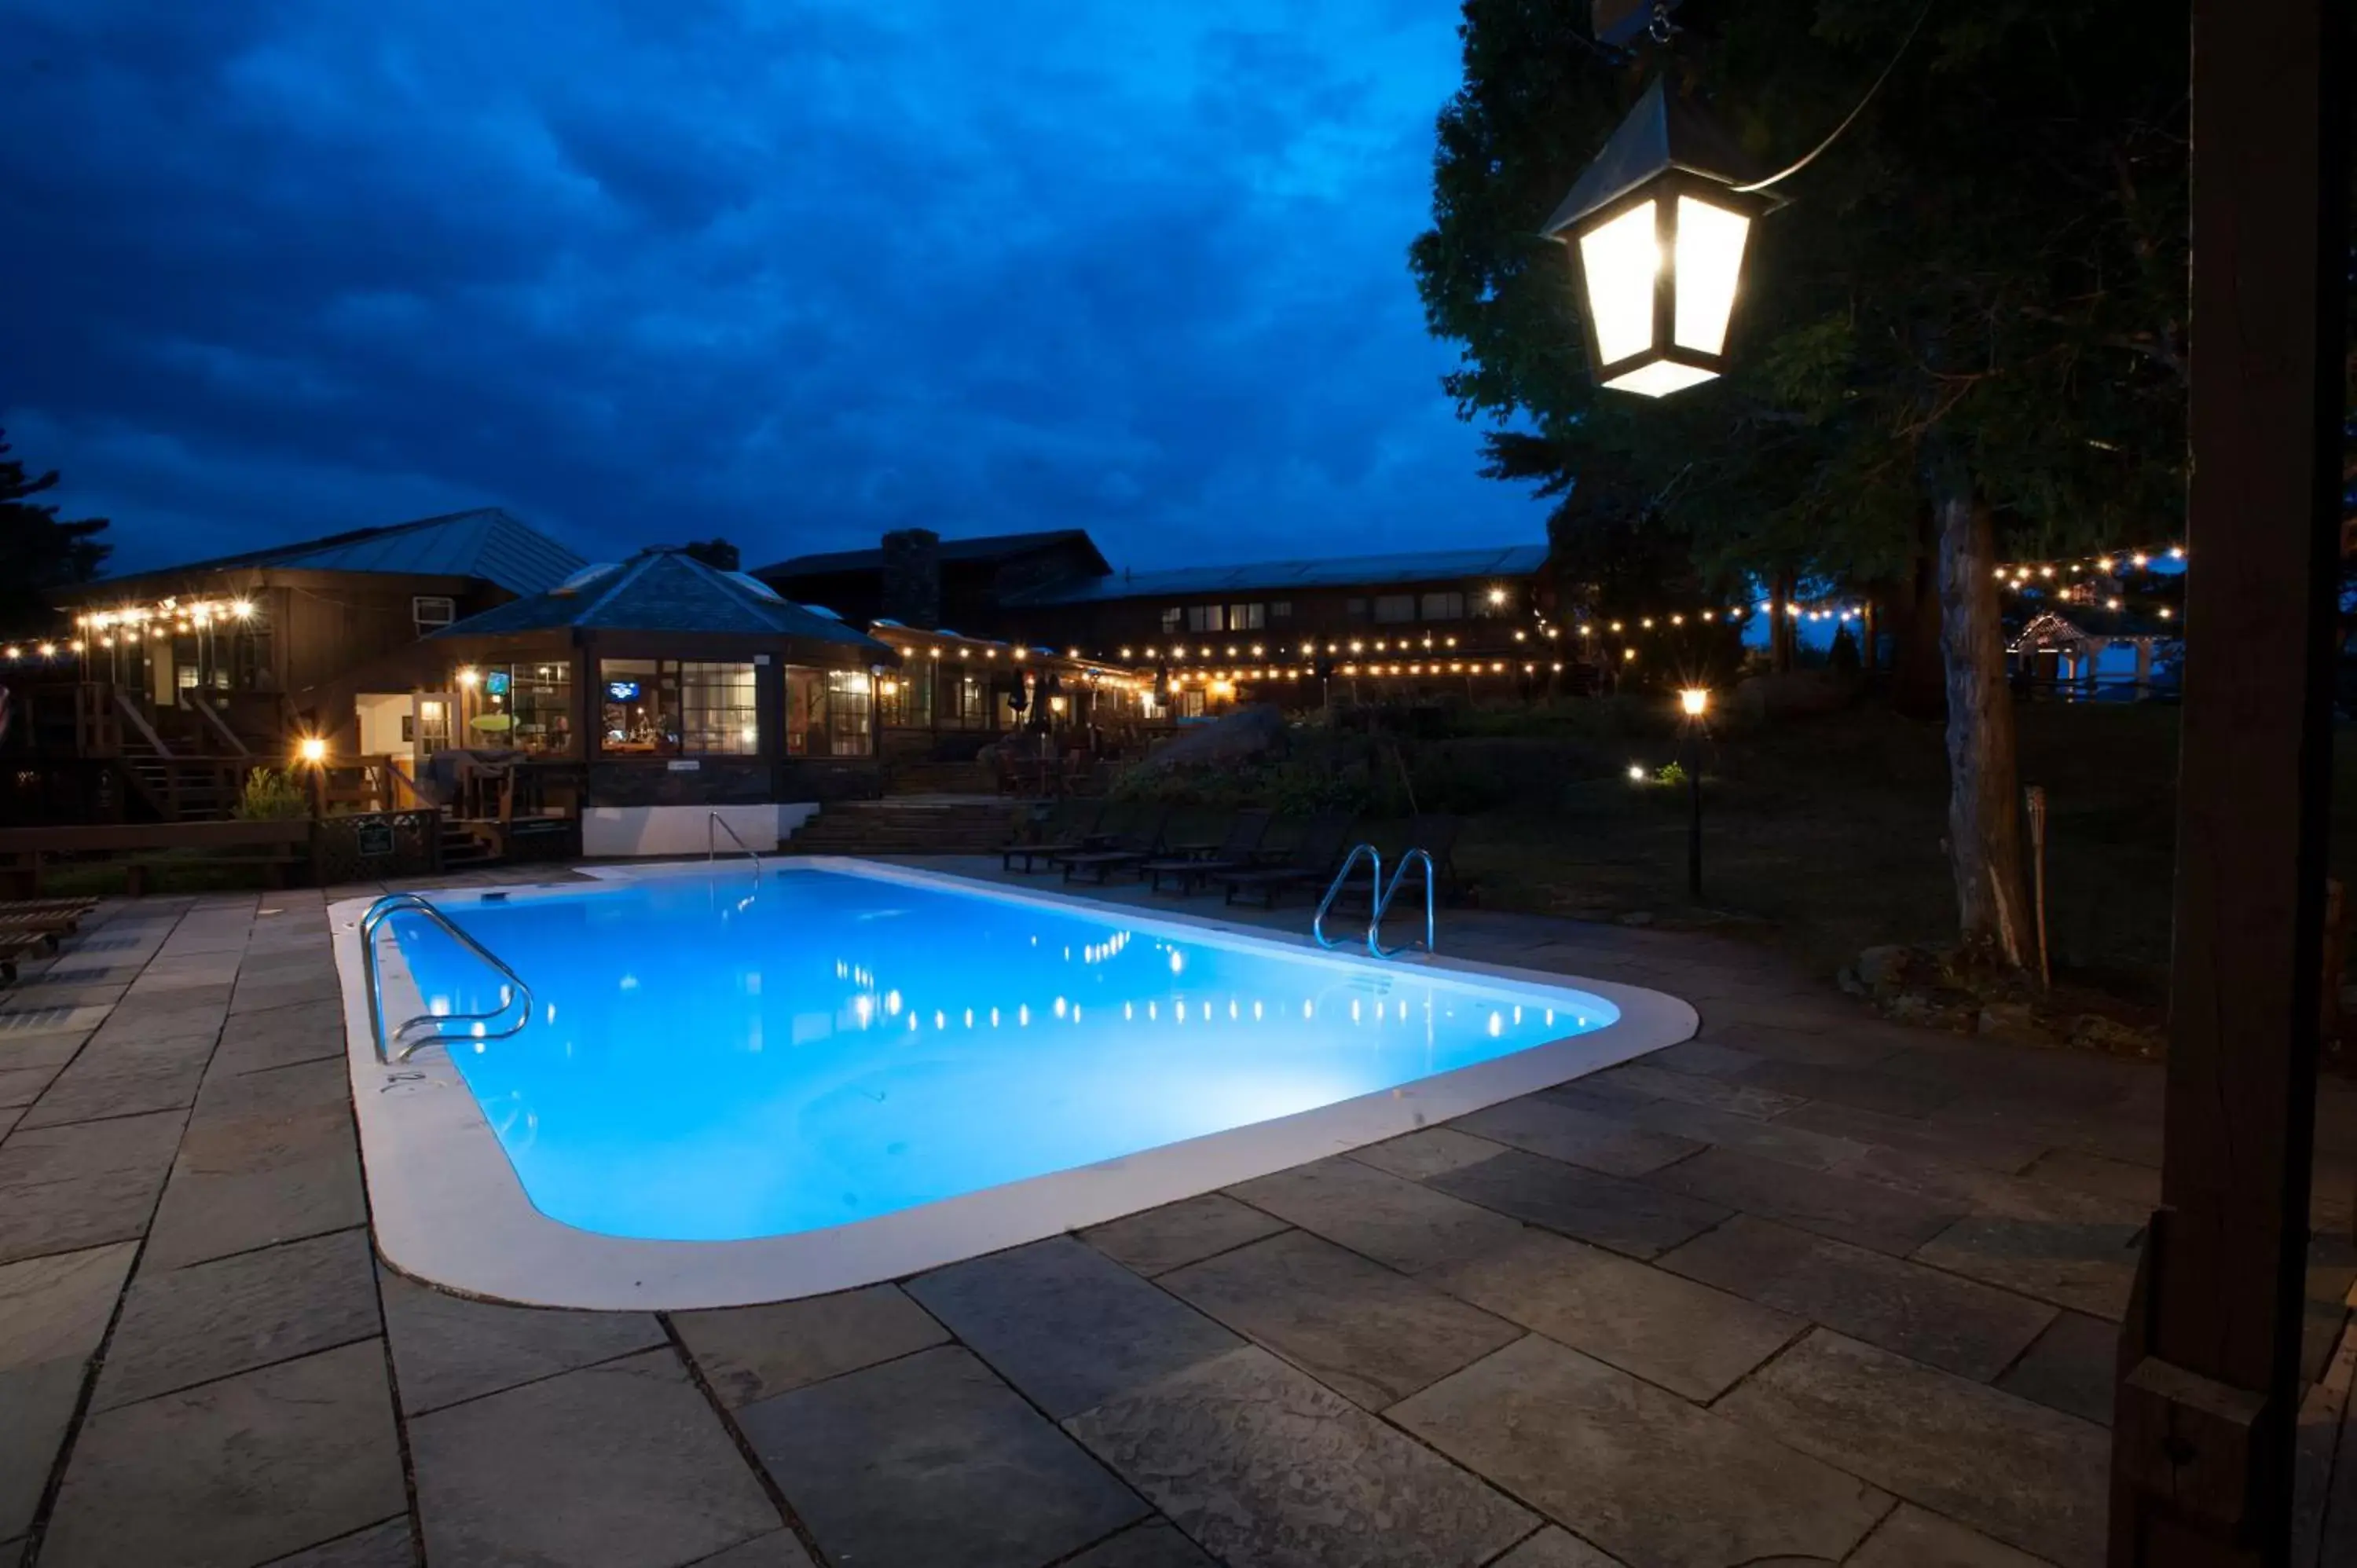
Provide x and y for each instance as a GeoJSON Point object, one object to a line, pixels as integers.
{"type": "Point", "coordinates": [39, 553]}
{"type": "Point", "coordinates": [1966, 337]}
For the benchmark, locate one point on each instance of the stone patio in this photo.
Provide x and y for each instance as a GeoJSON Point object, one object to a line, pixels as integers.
{"type": "Point", "coordinates": [1809, 1288]}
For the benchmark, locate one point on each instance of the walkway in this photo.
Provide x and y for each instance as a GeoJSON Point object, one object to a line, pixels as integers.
{"type": "Point", "coordinates": [1811, 1288]}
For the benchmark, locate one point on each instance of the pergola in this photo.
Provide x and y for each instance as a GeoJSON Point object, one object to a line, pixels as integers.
{"type": "Point", "coordinates": [2082, 647]}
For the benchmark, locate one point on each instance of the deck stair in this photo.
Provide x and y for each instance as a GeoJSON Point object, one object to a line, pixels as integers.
{"type": "Point", "coordinates": [905, 825]}
{"type": "Point", "coordinates": [928, 777]}
{"type": "Point", "coordinates": [464, 846]}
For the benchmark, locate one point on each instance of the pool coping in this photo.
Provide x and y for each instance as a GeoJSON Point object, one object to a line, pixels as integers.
{"type": "Point", "coordinates": [448, 1208]}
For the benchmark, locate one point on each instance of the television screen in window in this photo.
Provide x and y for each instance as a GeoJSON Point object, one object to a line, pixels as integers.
{"type": "Point", "coordinates": [621, 691]}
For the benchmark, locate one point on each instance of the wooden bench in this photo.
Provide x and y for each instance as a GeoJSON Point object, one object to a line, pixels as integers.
{"type": "Point", "coordinates": [140, 847]}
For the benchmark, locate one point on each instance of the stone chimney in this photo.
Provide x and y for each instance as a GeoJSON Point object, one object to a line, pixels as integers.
{"type": "Point", "coordinates": [912, 577]}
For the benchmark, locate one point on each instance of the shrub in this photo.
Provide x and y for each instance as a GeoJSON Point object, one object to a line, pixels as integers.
{"type": "Point", "coordinates": [271, 795]}
{"type": "Point", "coordinates": [1670, 773]}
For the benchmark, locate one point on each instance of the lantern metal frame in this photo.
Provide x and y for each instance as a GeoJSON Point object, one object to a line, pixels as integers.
{"type": "Point", "coordinates": [1664, 149]}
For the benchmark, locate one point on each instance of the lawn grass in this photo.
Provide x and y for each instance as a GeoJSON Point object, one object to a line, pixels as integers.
{"type": "Point", "coordinates": [1825, 835]}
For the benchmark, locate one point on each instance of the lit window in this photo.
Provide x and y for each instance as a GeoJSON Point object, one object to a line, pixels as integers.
{"type": "Point", "coordinates": [1173, 618]}
{"type": "Point", "coordinates": [1247, 617]}
{"type": "Point", "coordinates": [719, 713]}
{"type": "Point", "coordinates": [664, 709]}
{"type": "Point", "coordinates": [1205, 618]}
{"type": "Point", "coordinates": [526, 706]}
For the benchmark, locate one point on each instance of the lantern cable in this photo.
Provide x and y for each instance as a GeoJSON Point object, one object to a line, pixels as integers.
{"type": "Point", "coordinates": [1852, 119]}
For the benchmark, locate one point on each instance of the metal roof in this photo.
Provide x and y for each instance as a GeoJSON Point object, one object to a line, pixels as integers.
{"type": "Point", "coordinates": [1275, 576]}
{"type": "Point", "coordinates": [982, 547]}
{"type": "Point", "coordinates": [486, 543]}
{"type": "Point", "coordinates": [1666, 131]}
{"type": "Point", "coordinates": [663, 590]}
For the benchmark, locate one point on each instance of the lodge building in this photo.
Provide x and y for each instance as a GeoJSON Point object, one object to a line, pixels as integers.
{"type": "Point", "coordinates": [472, 662]}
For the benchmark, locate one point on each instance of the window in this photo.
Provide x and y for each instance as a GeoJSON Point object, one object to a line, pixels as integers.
{"type": "Point", "coordinates": [905, 700]}
{"type": "Point", "coordinates": [1190, 703]}
{"type": "Point", "coordinates": [720, 713]}
{"type": "Point", "coordinates": [1204, 618]}
{"type": "Point", "coordinates": [640, 708]}
{"type": "Point", "coordinates": [535, 701]}
{"type": "Point", "coordinates": [972, 700]}
{"type": "Point", "coordinates": [1247, 617]}
{"type": "Point", "coordinates": [1173, 618]}
{"type": "Point", "coordinates": [1443, 607]}
{"type": "Point", "coordinates": [432, 610]}
{"type": "Point", "coordinates": [1391, 607]}
{"type": "Point", "coordinates": [1356, 609]}
{"type": "Point", "coordinates": [1281, 609]}
{"type": "Point", "coordinates": [659, 708]}
{"type": "Point", "coordinates": [850, 698]}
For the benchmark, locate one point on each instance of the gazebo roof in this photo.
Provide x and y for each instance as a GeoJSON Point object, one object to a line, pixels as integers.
{"type": "Point", "coordinates": [663, 590]}
{"type": "Point", "coordinates": [2084, 624]}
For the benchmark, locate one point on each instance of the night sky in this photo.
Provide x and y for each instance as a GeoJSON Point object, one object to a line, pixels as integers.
{"type": "Point", "coordinates": [790, 273]}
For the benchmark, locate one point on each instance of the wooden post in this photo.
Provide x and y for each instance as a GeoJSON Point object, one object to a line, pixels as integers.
{"type": "Point", "coordinates": [2201, 1458]}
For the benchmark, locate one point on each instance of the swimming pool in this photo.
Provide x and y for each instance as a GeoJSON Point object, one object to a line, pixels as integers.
{"type": "Point", "coordinates": [751, 1088]}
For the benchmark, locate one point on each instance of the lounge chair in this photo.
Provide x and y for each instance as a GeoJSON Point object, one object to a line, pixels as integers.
{"type": "Point", "coordinates": [1324, 839]}
{"type": "Point", "coordinates": [1129, 849]}
{"type": "Point", "coordinates": [1233, 853]}
{"type": "Point", "coordinates": [1063, 830]}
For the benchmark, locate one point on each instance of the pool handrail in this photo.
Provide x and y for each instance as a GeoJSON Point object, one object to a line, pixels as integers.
{"type": "Point", "coordinates": [1391, 890]}
{"type": "Point", "coordinates": [714, 819]}
{"type": "Point", "coordinates": [398, 1049]}
{"type": "Point", "coordinates": [1334, 891]}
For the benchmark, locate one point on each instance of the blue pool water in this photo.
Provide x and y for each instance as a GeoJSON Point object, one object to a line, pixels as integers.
{"type": "Point", "coordinates": [714, 1059]}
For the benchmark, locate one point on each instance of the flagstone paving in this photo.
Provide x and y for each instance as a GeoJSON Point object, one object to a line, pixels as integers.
{"type": "Point", "coordinates": [1811, 1288]}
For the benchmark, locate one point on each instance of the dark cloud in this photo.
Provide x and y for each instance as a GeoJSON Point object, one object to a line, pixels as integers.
{"type": "Point", "coordinates": [792, 273]}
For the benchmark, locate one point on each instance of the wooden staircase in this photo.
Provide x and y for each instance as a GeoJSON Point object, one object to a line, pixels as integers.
{"type": "Point", "coordinates": [463, 847]}
{"type": "Point", "coordinates": [906, 826]}
{"type": "Point", "coordinates": [174, 779]}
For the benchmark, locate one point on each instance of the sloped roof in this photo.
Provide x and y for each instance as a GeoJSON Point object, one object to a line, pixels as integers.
{"type": "Point", "coordinates": [2064, 625]}
{"type": "Point", "coordinates": [663, 590]}
{"type": "Point", "coordinates": [1274, 576]}
{"type": "Point", "coordinates": [982, 547]}
{"type": "Point", "coordinates": [486, 543]}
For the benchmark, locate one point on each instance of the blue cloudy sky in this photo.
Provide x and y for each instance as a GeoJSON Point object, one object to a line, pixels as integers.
{"type": "Point", "coordinates": [793, 273]}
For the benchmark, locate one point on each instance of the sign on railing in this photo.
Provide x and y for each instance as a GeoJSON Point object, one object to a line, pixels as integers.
{"type": "Point", "coordinates": [366, 845]}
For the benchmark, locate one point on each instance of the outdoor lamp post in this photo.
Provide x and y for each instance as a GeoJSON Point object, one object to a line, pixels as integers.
{"type": "Point", "coordinates": [1656, 227]}
{"type": "Point", "coordinates": [1694, 702]}
{"type": "Point", "coordinates": [312, 751]}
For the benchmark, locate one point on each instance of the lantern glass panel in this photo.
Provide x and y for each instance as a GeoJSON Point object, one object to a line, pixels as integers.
{"type": "Point", "coordinates": [1620, 261]}
{"type": "Point", "coordinates": [1709, 264]}
{"type": "Point", "coordinates": [1661, 378]}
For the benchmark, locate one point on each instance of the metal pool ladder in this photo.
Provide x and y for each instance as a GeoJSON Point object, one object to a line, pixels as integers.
{"type": "Point", "coordinates": [1380, 895]}
{"type": "Point", "coordinates": [711, 845]}
{"type": "Point", "coordinates": [1375, 859]}
{"type": "Point", "coordinates": [1414, 857]}
{"type": "Point", "coordinates": [401, 1047]}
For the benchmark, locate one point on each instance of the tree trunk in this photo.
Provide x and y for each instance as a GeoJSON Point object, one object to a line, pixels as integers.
{"type": "Point", "coordinates": [1984, 795]}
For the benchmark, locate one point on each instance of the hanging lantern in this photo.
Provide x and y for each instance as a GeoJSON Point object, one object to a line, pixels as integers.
{"type": "Point", "coordinates": [1657, 228]}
